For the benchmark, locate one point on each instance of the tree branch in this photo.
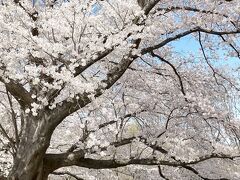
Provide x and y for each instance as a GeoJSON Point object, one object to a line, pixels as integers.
{"type": "Point", "coordinates": [60, 112]}
{"type": "Point", "coordinates": [14, 120]}
{"type": "Point", "coordinates": [74, 160]}
{"type": "Point", "coordinates": [161, 174]}
{"type": "Point", "coordinates": [183, 34]}
{"type": "Point", "coordinates": [18, 92]}
{"type": "Point", "coordinates": [174, 70]}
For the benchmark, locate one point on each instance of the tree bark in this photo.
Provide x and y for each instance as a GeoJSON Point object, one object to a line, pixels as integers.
{"type": "Point", "coordinates": [28, 165]}
{"type": "Point", "coordinates": [28, 161]}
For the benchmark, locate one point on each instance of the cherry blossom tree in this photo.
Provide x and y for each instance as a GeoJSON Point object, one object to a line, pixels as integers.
{"type": "Point", "coordinates": [100, 85]}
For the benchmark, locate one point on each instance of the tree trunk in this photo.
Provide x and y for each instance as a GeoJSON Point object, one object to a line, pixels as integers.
{"type": "Point", "coordinates": [34, 141]}
{"type": "Point", "coordinates": [28, 165]}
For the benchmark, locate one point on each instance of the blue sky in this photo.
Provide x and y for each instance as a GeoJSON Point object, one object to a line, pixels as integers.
{"type": "Point", "coordinates": [188, 44]}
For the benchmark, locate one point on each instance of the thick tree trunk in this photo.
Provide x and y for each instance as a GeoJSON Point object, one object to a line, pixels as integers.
{"type": "Point", "coordinates": [28, 165]}
{"type": "Point", "coordinates": [28, 162]}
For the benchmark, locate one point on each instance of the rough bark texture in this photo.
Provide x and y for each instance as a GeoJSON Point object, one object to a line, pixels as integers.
{"type": "Point", "coordinates": [28, 162]}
